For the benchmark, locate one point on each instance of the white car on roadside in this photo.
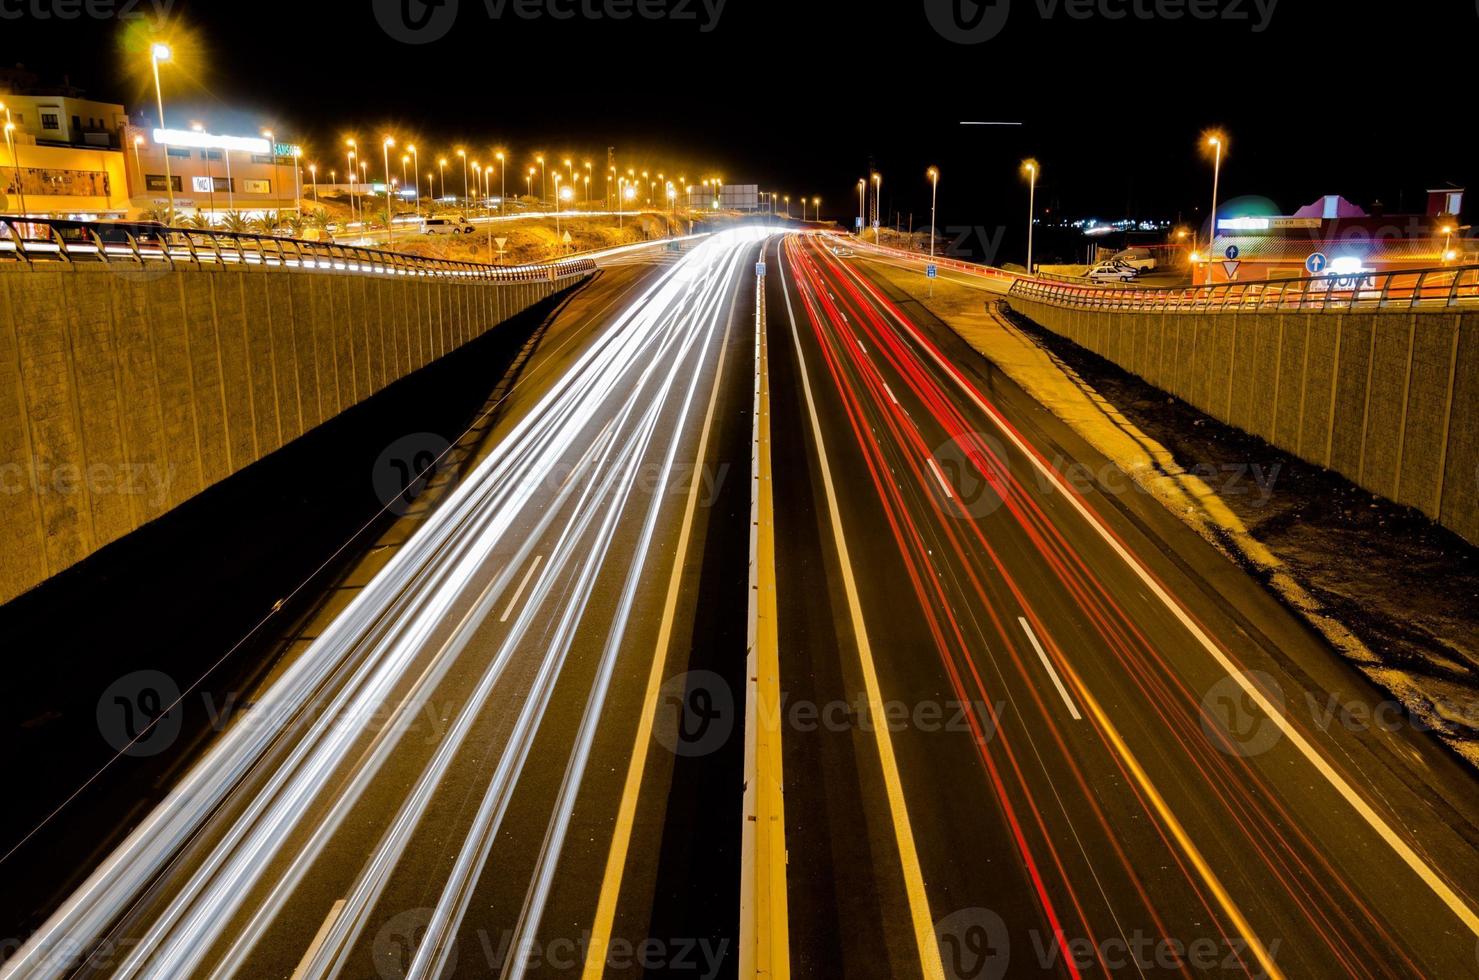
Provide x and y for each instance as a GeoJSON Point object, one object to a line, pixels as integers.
{"type": "Point", "coordinates": [1112, 272]}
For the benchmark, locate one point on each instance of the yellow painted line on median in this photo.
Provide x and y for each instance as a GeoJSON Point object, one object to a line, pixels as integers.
{"type": "Point", "coordinates": [621, 839]}
{"type": "Point", "coordinates": [765, 948]}
{"type": "Point", "coordinates": [930, 963]}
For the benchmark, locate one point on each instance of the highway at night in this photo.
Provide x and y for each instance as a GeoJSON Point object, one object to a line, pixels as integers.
{"type": "Point", "coordinates": [1025, 727]}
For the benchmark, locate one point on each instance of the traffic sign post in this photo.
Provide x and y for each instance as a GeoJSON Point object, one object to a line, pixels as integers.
{"type": "Point", "coordinates": [759, 270]}
{"type": "Point", "coordinates": [933, 271]}
{"type": "Point", "coordinates": [1316, 263]}
{"type": "Point", "coordinates": [1232, 253]}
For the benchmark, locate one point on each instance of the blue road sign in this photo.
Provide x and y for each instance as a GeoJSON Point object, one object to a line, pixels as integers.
{"type": "Point", "coordinates": [1316, 263]}
{"type": "Point", "coordinates": [760, 269]}
{"type": "Point", "coordinates": [858, 223]}
{"type": "Point", "coordinates": [1232, 253]}
{"type": "Point", "coordinates": [932, 271]}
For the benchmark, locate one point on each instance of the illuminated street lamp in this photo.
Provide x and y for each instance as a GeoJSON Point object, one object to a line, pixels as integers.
{"type": "Point", "coordinates": [529, 183]}
{"type": "Point", "coordinates": [406, 159]}
{"type": "Point", "coordinates": [313, 179]}
{"type": "Point", "coordinates": [353, 169]}
{"type": "Point", "coordinates": [587, 182]}
{"type": "Point", "coordinates": [816, 208]}
{"type": "Point", "coordinates": [1031, 169]}
{"type": "Point", "coordinates": [442, 167]}
{"type": "Point", "coordinates": [416, 165]}
{"type": "Point", "coordinates": [877, 206]}
{"type": "Point", "coordinates": [543, 180]}
{"type": "Point", "coordinates": [933, 173]}
{"type": "Point", "coordinates": [385, 146]}
{"type": "Point", "coordinates": [158, 53]}
{"type": "Point", "coordinates": [463, 154]}
{"type": "Point", "coordinates": [1216, 141]}
{"type": "Point", "coordinates": [862, 204]}
{"type": "Point", "coordinates": [477, 175]}
{"type": "Point", "coordinates": [503, 182]}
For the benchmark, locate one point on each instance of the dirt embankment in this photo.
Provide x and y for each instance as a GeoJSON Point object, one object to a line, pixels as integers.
{"type": "Point", "coordinates": [538, 239]}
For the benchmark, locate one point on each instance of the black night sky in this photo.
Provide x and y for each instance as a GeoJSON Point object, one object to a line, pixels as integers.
{"type": "Point", "coordinates": [803, 97]}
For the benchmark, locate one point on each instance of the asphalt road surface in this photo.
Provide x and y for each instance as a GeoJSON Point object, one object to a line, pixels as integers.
{"type": "Point", "coordinates": [1105, 749]}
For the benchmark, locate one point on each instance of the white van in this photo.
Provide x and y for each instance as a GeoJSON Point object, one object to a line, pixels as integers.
{"type": "Point", "coordinates": [447, 226]}
{"type": "Point", "coordinates": [1141, 259]}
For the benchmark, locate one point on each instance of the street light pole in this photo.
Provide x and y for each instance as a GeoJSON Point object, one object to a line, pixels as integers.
{"type": "Point", "coordinates": [158, 53]}
{"type": "Point", "coordinates": [465, 195]}
{"type": "Point", "coordinates": [1216, 143]}
{"type": "Point", "coordinates": [353, 169]}
{"type": "Point", "coordinates": [416, 162]}
{"type": "Point", "coordinates": [502, 183]}
{"type": "Point", "coordinates": [934, 176]}
{"type": "Point", "coordinates": [877, 207]}
{"type": "Point", "coordinates": [1032, 168]}
{"type": "Point", "coordinates": [389, 217]}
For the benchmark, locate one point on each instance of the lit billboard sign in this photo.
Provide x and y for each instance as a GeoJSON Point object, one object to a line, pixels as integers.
{"type": "Point", "coordinates": [210, 141]}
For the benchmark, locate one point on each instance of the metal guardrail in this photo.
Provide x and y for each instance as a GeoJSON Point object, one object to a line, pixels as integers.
{"type": "Point", "coordinates": [1411, 289]}
{"type": "Point", "coordinates": [971, 268]}
{"type": "Point", "coordinates": [38, 241]}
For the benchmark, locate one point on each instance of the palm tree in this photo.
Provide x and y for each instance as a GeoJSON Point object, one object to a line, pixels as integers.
{"type": "Point", "coordinates": [198, 221]}
{"type": "Point", "coordinates": [295, 224]}
{"type": "Point", "coordinates": [163, 215]}
{"type": "Point", "coordinates": [267, 223]}
{"type": "Point", "coordinates": [236, 222]}
{"type": "Point", "coordinates": [323, 222]}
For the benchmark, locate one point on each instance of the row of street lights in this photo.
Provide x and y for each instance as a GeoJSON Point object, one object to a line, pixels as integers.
{"type": "Point", "coordinates": [1031, 169]}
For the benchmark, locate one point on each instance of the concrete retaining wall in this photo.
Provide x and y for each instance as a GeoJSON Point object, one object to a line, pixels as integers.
{"type": "Point", "coordinates": [126, 391]}
{"type": "Point", "coordinates": [1390, 400]}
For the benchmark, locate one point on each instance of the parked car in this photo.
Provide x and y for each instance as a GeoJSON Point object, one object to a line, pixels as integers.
{"type": "Point", "coordinates": [447, 226]}
{"type": "Point", "coordinates": [1113, 272]}
{"type": "Point", "coordinates": [1142, 259]}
